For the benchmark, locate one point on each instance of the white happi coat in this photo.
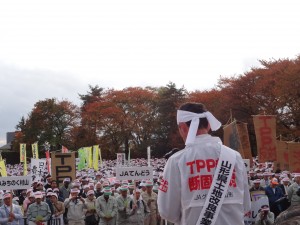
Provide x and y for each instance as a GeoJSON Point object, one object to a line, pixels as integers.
{"type": "Point", "coordinates": [187, 177]}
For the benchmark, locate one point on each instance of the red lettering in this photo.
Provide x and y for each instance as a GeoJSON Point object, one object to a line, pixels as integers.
{"type": "Point", "coordinates": [163, 185]}
{"type": "Point", "coordinates": [210, 164]}
{"type": "Point", "coordinates": [206, 181]}
{"type": "Point", "coordinates": [191, 166]}
{"type": "Point", "coordinates": [200, 164]}
{"type": "Point", "coordinates": [194, 183]}
{"type": "Point", "coordinates": [265, 118]}
{"type": "Point", "coordinates": [232, 182]}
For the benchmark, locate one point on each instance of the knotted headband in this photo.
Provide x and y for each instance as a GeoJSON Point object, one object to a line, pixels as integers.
{"type": "Point", "coordinates": [185, 116]}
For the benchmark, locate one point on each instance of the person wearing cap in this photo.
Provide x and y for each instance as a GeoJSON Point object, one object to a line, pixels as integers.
{"type": "Point", "coordinates": [65, 189]}
{"type": "Point", "coordinates": [48, 201]}
{"type": "Point", "coordinates": [26, 200]}
{"type": "Point", "coordinates": [275, 196]}
{"type": "Point", "coordinates": [83, 192]}
{"type": "Point", "coordinates": [285, 183]}
{"type": "Point", "coordinates": [91, 217]}
{"type": "Point", "coordinates": [123, 206]}
{"type": "Point", "coordinates": [58, 206]}
{"type": "Point", "coordinates": [264, 216]}
{"type": "Point", "coordinates": [265, 182]}
{"type": "Point", "coordinates": [10, 213]}
{"type": "Point", "coordinates": [256, 186]}
{"type": "Point", "coordinates": [39, 212]}
{"type": "Point", "coordinates": [150, 199]}
{"type": "Point", "coordinates": [98, 190]}
{"type": "Point", "coordinates": [294, 191]}
{"type": "Point", "coordinates": [106, 207]}
{"type": "Point", "coordinates": [138, 209]}
{"type": "Point", "coordinates": [75, 205]}
{"type": "Point", "coordinates": [183, 196]}
{"type": "Point", "coordinates": [114, 192]}
{"type": "Point", "coordinates": [131, 188]}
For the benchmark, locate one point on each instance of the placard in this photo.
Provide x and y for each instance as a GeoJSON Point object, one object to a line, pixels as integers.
{"type": "Point", "coordinates": [134, 173]}
{"type": "Point", "coordinates": [247, 164]}
{"type": "Point", "coordinates": [38, 168]}
{"type": "Point", "coordinates": [63, 166]}
{"type": "Point", "coordinates": [15, 183]}
{"type": "Point", "coordinates": [250, 217]}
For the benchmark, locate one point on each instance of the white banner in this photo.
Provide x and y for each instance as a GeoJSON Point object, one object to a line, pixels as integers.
{"type": "Point", "coordinates": [247, 164]}
{"type": "Point", "coordinates": [134, 173]}
{"type": "Point", "coordinates": [121, 159]}
{"type": "Point", "coordinates": [38, 169]}
{"type": "Point", "coordinates": [249, 218]}
{"type": "Point", "coordinates": [149, 155]}
{"type": "Point", "coordinates": [15, 182]}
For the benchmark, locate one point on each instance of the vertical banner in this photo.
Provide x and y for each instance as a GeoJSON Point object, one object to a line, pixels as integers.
{"type": "Point", "coordinates": [282, 155]}
{"type": "Point", "coordinates": [25, 166]}
{"type": "Point", "coordinates": [48, 160]}
{"type": "Point", "coordinates": [63, 166]}
{"type": "Point", "coordinates": [38, 168]}
{"type": "Point", "coordinates": [35, 151]}
{"type": "Point", "coordinates": [232, 139]}
{"type": "Point", "coordinates": [82, 154]}
{"type": "Point", "coordinates": [265, 132]}
{"type": "Point", "coordinates": [22, 152]}
{"type": "Point", "coordinates": [294, 156]}
{"type": "Point", "coordinates": [121, 158]}
{"type": "Point", "coordinates": [96, 157]}
{"type": "Point", "coordinates": [3, 172]}
{"type": "Point", "coordinates": [100, 157]}
{"type": "Point", "coordinates": [149, 155]}
{"type": "Point", "coordinates": [244, 141]}
{"type": "Point", "coordinates": [89, 151]}
{"type": "Point", "coordinates": [64, 149]}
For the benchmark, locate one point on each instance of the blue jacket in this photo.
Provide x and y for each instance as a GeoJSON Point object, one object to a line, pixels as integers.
{"type": "Point", "coordinates": [273, 196]}
{"type": "Point", "coordinates": [4, 214]}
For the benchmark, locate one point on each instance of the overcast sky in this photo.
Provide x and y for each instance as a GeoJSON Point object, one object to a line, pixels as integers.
{"type": "Point", "coordinates": [57, 48]}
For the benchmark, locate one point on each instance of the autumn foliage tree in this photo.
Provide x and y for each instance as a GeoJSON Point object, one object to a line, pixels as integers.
{"type": "Point", "coordinates": [137, 117]}
{"type": "Point", "coordinates": [50, 120]}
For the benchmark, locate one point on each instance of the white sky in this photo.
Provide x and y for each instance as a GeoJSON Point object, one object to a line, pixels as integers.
{"type": "Point", "coordinates": [56, 48]}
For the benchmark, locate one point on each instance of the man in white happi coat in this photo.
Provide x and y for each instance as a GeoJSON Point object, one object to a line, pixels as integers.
{"type": "Point", "coordinates": [188, 175]}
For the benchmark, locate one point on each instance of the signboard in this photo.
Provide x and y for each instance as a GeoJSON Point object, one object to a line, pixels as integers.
{"type": "Point", "coordinates": [294, 156]}
{"type": "Point", "coordinates": [15, 183]}
{"type": "Point", "coordinates": [38, 168]}
{"type": "Point", "coordinates": [63, 166]}
{"type": "Point", "coordinates": [265, 131]}
{"type": "Point", "coordinates": [245, 142]}
{"type": "Point", "coordinates": [249, 218]}
{"type": "Point", "coordinates": [134, 173]}
{"type": "Point", "coordinates": [282, 155]}
{"type": "Point", "coordinates": [232, 139]}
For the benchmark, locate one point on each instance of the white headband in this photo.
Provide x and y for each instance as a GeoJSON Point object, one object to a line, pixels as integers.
{"type": "Point", "coordinates": [185, 116]}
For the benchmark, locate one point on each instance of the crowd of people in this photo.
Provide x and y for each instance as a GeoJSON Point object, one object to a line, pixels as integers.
{"type": "Point", "coordinates": [94, 197]}
{"type": "Point", "coordinates": [281, 187]}
{"type": "Point", "coordinates": [205, 183]}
